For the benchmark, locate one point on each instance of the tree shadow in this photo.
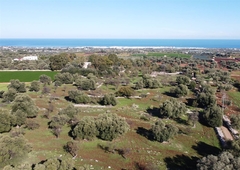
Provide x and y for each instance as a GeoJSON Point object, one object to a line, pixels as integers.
{"type": "Point", "coordinates": [179, 162]}
{"type": "Point", "coordinates": [201, 119]}
{"type": "Point", "coordinates": [181, 121]}
{"type": "Point", "coordinates": [154, 111]}
{"type": "Point", "coordinates": [68, 99]}
{"type": "Point", "coordinates": [205, 149]}
{"type": "Point", "coordinates": [170, 94]}
{"type": "Point", "coordinates": [191, 102]}
{"type": "Point", "coordinates": [145, 132]}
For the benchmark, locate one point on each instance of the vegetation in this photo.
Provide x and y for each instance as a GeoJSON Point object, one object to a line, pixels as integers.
{"type": "Point", "coordinates": [24, 76]}
{"type": "Point", "coordinates": [119, 109]}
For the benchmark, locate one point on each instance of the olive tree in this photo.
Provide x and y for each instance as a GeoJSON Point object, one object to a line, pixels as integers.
{"type": "Point", "coordinates": [64, 78]}
{"type": "Point", "coordinates": [110, 126]}
{"type": "Point", "coordinates": [213, 116]}
{"type": "Point", "coordinates": [13, 150]}
{"type": "Point", "coordinates": [45, 79]}
{"type": "Point", "coordinates": [17, 85]}
{"type": "Point", "coordinates": [162, 132]}
{"type": "Point", "coordinates": [109, 100]}
{"type": "Point", "coordinates": [172, 108]}
{"type": "Point", "coordinates": [225, 161]}
{"type": "Point", "coordinates": [180, 91]}
{"type": "Point", "coordinates": [25, 104]}
{"type": "Point", "coordinates": [85, 129]}
{"type": "Point", "coordinates": [35, 86]}
{"type": "Point", "coordinates": [5, 122]}
{"type": "Point", "coordinates": [9, 96]}
{"type": "Point", "coordinates": [235, 121]}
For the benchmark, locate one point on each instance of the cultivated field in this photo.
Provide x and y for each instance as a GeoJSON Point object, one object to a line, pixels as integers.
{"type": "Point", "coordinates": [24, 76]}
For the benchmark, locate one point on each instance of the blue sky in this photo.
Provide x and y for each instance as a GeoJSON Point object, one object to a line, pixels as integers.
{"type": "Point", "coordinates": [160, 19]}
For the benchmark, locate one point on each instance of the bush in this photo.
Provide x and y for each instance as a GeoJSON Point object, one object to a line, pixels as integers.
{"type": "Point", "coordinates": [125, 91]}
{"type": "Point", "coordinates": [31, 125]}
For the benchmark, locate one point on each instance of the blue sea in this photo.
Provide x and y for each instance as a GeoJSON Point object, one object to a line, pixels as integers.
{"type": "Point", "coordinates": [168, 43]}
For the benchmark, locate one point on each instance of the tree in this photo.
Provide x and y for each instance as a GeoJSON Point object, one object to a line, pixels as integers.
{"type": "Point", "coordinates": [234, 147]}
{"type": "Point", "coordinates": [213, 116]}
{"type": "Point", "coordinates": [125, 91]}
{"type": "Point", "coordinates": [224, 161]}
{"type": "Point", "coordinates": [85, 129]}
{"type": "Point", "coordinates": [31, 125]}
{"type": "Point", "coordinates": [17, 85]}
{"type": "Point", "coordinates": [71, 147]}
{"type": "Point", "coordinates": [78, 97]}
{"type": "Point", "coordinates": [20, 117]}
{"type": "Point", "coordinates": [193, 118]}
{"type": "Point", "coordinates": [25, 104]}
{"type": "Point", "coordinates": [86, 84]}
{"type": "Point", "coordinates": [162, 132]}
{"type": "Point", "coordinates": [64, 78]}
{"type": "Point", "coordinates": [70, 111]}
{"type": "Point", "coordinates": [192, 85]}
{"type": "Point", "coordinates": [58, 62]}
{"type": "Point", "coordinates": [206, 100]}
{"type": "Point", "coordinates": [55, 164]}
{"type": "Point", "coordinates": [172, 108]}
{"type": "Point", "coordinates": [58, 121]}
{"type": "Point", "coordinates": [110, 126]}
{"type": "Point", "coordinates": [109, 100]}
{"type": "Point", "coordinates": [35, 86]}
{"type": "Point", "coordinates": [235, 121]}
{"type": "Point", "coordinates": [12, 150]}
{"type": "Point", "coordinates": [9, 95]}
{"type": "Point", "coordinates": [5, 122]}
{"type": "Point", "coordinates": [45, 89]}
{"type": "Point", "coordinates": [139, 84]}
{"type": "Point", "coordinates": [45, 79]}
{"type": "Point", "coordinates": [180, 90]}
{"type": "Point", "coordinates": [182, 80]}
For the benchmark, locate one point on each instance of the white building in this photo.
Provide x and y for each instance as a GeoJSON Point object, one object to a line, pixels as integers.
{"type": "Point", "coordinates": [30, 58]}
{"type": "Point", "coordinates": [27, 58]}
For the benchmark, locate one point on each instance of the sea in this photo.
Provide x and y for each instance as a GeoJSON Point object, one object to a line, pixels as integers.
{"type": "Point", "coordinates": [123, 43]}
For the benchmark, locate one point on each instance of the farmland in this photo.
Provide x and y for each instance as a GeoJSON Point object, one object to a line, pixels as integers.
{"type": "Point", "coordinates": [24, 76]}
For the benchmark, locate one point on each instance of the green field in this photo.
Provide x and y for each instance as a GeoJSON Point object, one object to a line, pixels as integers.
{"type": "Point", "coordinates": [235, 96]}
{"type": "Point", "coordinates": [24, 76]}
{"type": "Point", "coordinates": [180, 55]}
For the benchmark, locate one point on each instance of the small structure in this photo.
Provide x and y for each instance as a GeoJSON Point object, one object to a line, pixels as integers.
{"type": "Point", "coordinates": [86, 64]}
{"type": "Point", "coordinates": [27, 58]}
{"type": "Point", "coordinates": [30, 58]}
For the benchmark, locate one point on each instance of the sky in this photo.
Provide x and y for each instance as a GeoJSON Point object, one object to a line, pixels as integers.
{"type": "Point", "coordinates": [130, 19]}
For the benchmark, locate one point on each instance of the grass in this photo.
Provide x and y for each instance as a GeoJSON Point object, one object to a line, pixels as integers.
{"type": "Point", "coordinates": [142, 150]}
{"type": "Point", "coordinates": [235, 96]}
{"type": "Point", "coordinates": [24, 76]}
{"type": "Point", "coordinates": [3, 87]}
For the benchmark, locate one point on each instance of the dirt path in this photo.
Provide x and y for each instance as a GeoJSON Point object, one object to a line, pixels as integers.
{"type": "Point", "coordinates": [226, 133]}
